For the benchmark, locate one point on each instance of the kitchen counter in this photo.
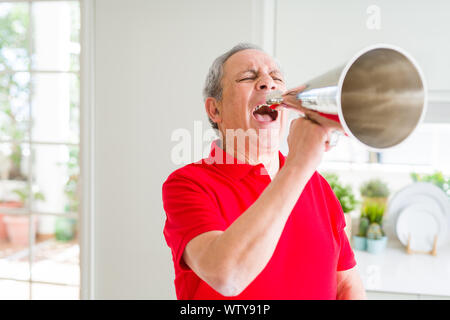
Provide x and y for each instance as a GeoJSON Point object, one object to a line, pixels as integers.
{"type": "Point", "coordinates": [395, 271]}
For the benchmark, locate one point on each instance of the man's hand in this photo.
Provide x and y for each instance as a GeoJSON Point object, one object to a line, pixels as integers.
{"type": "Point", "coordinates": [309, 135]}
{"type": "Point", "coordinates": [290, 101]}
{"type": "Point", "coordinates": [307, 143]}
{"type": "Point", "coordinates": [350, 286]}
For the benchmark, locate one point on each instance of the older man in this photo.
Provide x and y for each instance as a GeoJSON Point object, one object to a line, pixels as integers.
{"type": "Point", "coordinates": [248, 222]}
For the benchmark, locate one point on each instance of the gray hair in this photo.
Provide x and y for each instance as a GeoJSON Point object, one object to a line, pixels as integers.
{"type": "Point", "coordinates": [213, 84]}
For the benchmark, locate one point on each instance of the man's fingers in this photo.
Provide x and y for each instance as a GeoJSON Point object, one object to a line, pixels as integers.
{"type": "Point", "coordinates": [328, 124]}
{"type": "Point", "coordinates": [332, 128]}
{"type": "Point", "coordinates": [290, 101]}
{"type": "Point", "coordinates": [331, 136]}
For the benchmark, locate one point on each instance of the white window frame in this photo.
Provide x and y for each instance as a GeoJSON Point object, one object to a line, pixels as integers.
{"type": "Point", "coordinates": [87, 147]}
{"type": "Point", "coordinates": [86, 144]}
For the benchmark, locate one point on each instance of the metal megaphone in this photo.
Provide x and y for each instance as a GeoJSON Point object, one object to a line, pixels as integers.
{"type": "Point", "coordinates": [378, 97]}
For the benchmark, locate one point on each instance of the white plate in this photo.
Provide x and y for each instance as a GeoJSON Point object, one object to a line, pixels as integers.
{"type": "Point", "coordinates": [421, 224]}
{"type": "Point", "coordinates": [426, 193]}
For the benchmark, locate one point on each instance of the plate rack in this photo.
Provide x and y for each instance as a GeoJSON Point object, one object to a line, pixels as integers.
{"type": "Point", "coordinates": [433, 251]}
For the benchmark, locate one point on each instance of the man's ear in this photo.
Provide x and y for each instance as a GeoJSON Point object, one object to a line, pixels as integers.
{"type": "Point", "coordinates": [212, 107]}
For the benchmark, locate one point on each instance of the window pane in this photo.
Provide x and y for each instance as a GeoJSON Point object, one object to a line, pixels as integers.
{"type": "Point", "coordinates": [441, 152]}
{"type": "Point", "coordinates": [14, 45]}
{"type": "Point", "coordinates": [406, 153]}
{"type": "Point", "coordinates": [14, 253]}
{"type": "Point", "coordinates": [427, 146]}
{"type": "Point", "coordinates": [54, 116]}
{"type": "Point", "coordinates": [14, 162]}
{"type": "Point", "coordinates": [347, 150]}
{"type": "Point", "coordinates": [14, 105]}
{"type": "Point", "coordinates": [56, 28]}
{"type": "Point", "coordinates": [42, 291]}
{"type": "Point", "coordinates": [14, 290]}
{"type": "Point", "coordinates": [14, 229]}
{"type": "Point", "coordinates": [56, 257]}
{"type": "Point", "coordinates": [55, 107]}
{"type": "Point", "coordinates": [55, 178]}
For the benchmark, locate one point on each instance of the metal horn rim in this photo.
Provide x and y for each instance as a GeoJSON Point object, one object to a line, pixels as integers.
{"type": "Point", "coordinates": [341, 82]}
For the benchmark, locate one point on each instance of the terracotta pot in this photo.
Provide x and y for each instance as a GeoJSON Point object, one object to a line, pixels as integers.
{"type": "Point", "coordinates": [18, 228]}
{"type": "Point", "coordinates": [9, 205]}
{"type": "Point", "coordinates": [3, 234]}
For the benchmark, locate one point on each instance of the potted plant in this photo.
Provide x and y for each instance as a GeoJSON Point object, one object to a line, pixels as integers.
{"type": "Point", "coordinates": [65, 228]}
{"type": "Point", "coordinates": [345, 196]}
{"type": "Point", "coordinates": [17, 226]}
{"type": "Point", "coordinates": [371, 236]}
{"type": "Point", "coordinates": [359, 240]}
{"type": "Point", "coordinates": [6, 205]}
{"type": "Point", "coordinates": [376, 239]}
{"type": "Point", "coordinates": [13, 128]}
{"type": "Point", "coordinates": [374, 190]}
{"type": "Point", "coordinates": [437, 178]}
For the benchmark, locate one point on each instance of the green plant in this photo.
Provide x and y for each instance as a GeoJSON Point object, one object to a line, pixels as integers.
{"type": "Point", "coordinates": [374, 231]}
{"type": "Point", "coordinates": [71, 186]}
{"type": "Point", "coordinates": [371, 221]}
{"type": "Point", "coordinates": [65, 228]}
{"type": "Point", "coordinates": [374, 188]}
{"type": "Point", "coordinates": [23, 194]}
{"type": "Point", "coordinates": [374, 211]}
{"type": "Point", "coordinates": [363, 226]}
{"type": "Point", "coordinates": [14, 87]}
{"type": "Point", "coordinates": [343, 193]}
{"type": "Point", "coordinates": [437, 178]}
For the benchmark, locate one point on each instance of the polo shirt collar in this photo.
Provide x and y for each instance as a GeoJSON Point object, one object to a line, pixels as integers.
{"type": "Point", "coordinates": [232, 166]}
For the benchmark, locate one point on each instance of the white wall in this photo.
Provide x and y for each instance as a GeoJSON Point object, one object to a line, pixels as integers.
{"type": "Point", "coordinates": [151, 58]}
{"type": "Point", "coordinates": [314, 36]}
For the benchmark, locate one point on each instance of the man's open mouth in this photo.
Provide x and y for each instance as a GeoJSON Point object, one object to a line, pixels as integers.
{"type": "Point", "coordinates": [264, 113]}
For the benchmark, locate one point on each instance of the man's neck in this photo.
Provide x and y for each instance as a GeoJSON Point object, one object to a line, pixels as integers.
{"type": "Point", "coordinates": [268, 157]}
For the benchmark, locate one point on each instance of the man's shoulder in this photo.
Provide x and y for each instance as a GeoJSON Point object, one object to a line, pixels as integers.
{"type": "Point", "coordinates": [316, 180]}
{"type": "Point", "coordinates": [196, 172]}
{"type": "Point", "coordinates": [320, 181]}
{"type": "Point", "coordinates": [320, 187]}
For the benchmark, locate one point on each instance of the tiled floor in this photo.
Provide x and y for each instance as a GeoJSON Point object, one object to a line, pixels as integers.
{"type": "Point", "coordinates": [53, 262]}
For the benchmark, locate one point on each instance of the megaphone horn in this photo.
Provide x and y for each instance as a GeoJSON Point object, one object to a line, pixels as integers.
{"type": "Point", "coordinates": [378, 97]}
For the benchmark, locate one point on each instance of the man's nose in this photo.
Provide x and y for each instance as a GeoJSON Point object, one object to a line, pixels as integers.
{"type": "Point", "coordinates": [266, 83]}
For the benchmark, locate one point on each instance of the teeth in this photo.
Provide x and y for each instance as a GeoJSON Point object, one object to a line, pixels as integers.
{"type": "Point", "coordinates": [260, 106]}
{"type": "Point", "coordinates": [274, 97]}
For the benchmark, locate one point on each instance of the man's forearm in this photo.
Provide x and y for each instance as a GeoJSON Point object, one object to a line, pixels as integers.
{"type": "Point", "coordinates": [350, 285]}
{"type": "Point", "coordinates": [245, 248]}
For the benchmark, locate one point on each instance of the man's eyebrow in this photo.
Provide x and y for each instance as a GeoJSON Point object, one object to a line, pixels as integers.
{"type": "Point", "coordinates": [253, 71]}
{"type": "Point", "coordinates": [276, 71]}
{"type": "Point", "coordinates": [248, 71]}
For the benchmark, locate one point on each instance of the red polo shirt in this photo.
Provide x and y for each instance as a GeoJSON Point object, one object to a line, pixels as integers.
{"type": "Point", "coordinates": [211, 194]}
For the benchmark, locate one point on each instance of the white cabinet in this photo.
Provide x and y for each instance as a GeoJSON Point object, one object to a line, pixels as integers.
{"type": "Point", "coordinates": [377, 295]}
{"type": "Point", "coordinates": [394, 274]}
{"type": "Point", "coordinates": [429, 297]}
{"type": "Point", "coordinates": [314, 36]}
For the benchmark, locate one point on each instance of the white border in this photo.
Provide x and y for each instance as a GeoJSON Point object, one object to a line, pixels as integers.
{"type": "Point", "coordinates": [87, 147]}
{"type": "Point", "coordinates": [341, 82]}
